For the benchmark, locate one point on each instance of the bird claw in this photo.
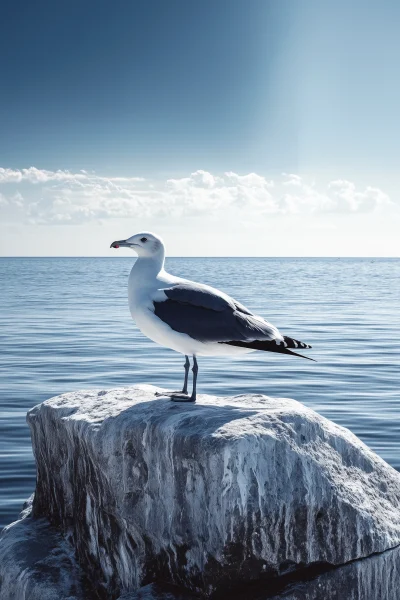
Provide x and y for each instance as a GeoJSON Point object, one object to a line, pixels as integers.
{"type": "Point", "coordinates": [167, 393]}
{"type": "Point", "coordinates": [179, 397]}
{"type": "Point", "coordinates": [176, 396]}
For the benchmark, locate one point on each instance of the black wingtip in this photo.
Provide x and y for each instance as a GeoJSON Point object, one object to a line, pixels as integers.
{"type": "Point", "coordinates": [297, 354]}
{"type": "Point", "coordinates": [267, 346]}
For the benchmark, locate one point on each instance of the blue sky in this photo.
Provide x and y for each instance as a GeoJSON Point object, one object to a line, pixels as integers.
{"type": "Point", "coordinates": [157, 91]}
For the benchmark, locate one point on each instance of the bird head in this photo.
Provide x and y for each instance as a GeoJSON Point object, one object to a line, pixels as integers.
{"type": "Point", "coordinates": [144, 244]}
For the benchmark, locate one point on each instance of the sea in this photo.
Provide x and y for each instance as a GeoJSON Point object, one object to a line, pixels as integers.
{"type": "Point", "coordinates": [65, 325]}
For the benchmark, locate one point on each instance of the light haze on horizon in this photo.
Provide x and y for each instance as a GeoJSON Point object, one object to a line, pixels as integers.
{"type": "Point", "coordinates": [230, 129]}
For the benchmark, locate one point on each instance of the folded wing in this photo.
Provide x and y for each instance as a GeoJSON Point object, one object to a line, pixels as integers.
{"type": "Point", "coordinates": [208, 315]}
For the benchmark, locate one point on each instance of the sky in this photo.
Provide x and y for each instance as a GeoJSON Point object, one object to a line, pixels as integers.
{"type": "Point", "coordinates": [228, 127]}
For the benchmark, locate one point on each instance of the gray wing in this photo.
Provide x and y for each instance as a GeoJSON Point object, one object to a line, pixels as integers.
{"type": "Point", "coordinates": [207, 315]}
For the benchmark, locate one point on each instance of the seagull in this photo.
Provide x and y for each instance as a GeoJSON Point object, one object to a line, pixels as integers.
{"type": "Point", "coordinates": [192, 318]}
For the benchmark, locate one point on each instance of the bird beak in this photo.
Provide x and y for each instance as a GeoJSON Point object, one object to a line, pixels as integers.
{"type": "Point", "coordinates": [120, 244]}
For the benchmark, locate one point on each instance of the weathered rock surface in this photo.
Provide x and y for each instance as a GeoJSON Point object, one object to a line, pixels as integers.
{"type": "Point", "coordinates": [37, 563]}
{"type": "Point", "coordinates": [373, 578]}
{"type": "Point", "coordinates": [209, 494]}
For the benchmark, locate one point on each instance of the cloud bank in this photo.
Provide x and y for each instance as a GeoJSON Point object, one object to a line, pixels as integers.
{"type": "Point", "coordinates": [49, 197]}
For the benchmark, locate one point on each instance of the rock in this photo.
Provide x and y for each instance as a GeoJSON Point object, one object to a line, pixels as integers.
{"type": "Point", "coordinates": [206, 495]}
{"type": "Point", "coordinates": [373, 578]}
{"type": "Point", "coordinates": [37, 563]}
{"type": "Point", "coordinates": [156, 592]}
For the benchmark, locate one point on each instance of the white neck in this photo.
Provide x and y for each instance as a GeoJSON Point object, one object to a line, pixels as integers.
{"type": "Point", "coordinates": [147, 268]}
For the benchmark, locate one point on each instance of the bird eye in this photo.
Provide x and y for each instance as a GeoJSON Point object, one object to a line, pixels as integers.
{"type": "Point", "coordinates": [143, 239]}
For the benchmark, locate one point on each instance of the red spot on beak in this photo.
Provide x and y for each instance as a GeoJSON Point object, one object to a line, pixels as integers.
{"type": "Point", "coordinates": [116, 246]}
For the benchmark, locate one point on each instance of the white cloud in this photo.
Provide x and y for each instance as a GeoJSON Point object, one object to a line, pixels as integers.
{"type": "Point", "coordinates": [346, 198]}
{"type": "Point", "coordinates": [33, 175]}
{"type": "Point", "coordinates": [65, 197]}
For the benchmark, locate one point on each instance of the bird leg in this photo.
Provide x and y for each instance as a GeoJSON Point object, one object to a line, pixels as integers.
{"type": "Point", "coordinates": [195, 370]}
{"type": "Point", "coordinates": [185, 383]}
{"type": "Point", "coordinates": [184, 397]}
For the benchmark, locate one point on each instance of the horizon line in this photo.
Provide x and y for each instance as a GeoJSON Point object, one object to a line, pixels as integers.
{"type": "Point", "coordinates": [205, 257]}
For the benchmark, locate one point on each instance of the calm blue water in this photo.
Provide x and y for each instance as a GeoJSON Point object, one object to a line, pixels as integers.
{"type": "Point", "coordinates": [65, 324]}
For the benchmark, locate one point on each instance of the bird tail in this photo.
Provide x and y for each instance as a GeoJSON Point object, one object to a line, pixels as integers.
{"type": "Point", "coordinates": [275, 346]}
